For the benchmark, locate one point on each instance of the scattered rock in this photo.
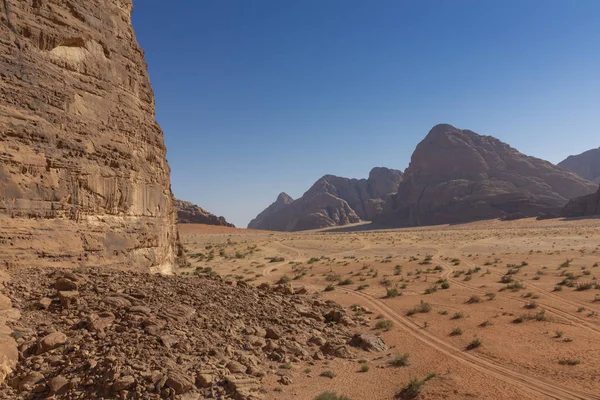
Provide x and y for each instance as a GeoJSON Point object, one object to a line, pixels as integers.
{"type": "Point", "coordinates": [51, 342]}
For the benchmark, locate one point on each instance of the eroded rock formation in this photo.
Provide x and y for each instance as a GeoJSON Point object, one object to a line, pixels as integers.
{"type": "Point", "coordinates": [331, 201]}
{"type": "Point", "coordinates": [83, 174]}
{"type": "Point", "coordinates": [584, 206]}
{"type": "Point", "coordinates": [190, 213]}
{"type": "Point", "coordinates": [458, 176]}
{"type": "Point", "coordinates": [586, 164]}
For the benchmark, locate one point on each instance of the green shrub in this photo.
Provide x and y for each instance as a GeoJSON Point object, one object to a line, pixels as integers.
{"type": "Point", "coordinates": [384, 324]}
{"type": "Point", "coordinates": [400, 360]}
{"type": "Point", "coordinates": [475, 343]}
{"type": "Point", "coordinates": [456, 332]}
{"type": "Point", "coordinates": [328, 374]}
{"type": "Point", "coordinates": [422, 308]}
{"type": "Point", "coordinates": [331, 396]}
{"type": "Point", "coordinates": [413, 388]}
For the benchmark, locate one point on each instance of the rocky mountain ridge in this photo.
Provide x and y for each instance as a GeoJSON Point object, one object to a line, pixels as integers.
{"type": "Point", "coordinates": [458, 176]}
{"type": "Point", "coordinates": [190, 213]}
{"type": "Point", "coordinates": [331, 201]}
{"type": "Point", "coordinates": [586, 164]}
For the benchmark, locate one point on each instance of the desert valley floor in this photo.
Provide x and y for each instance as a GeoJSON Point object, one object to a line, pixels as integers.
{"type": "Point", "coordinates": [496, 310]}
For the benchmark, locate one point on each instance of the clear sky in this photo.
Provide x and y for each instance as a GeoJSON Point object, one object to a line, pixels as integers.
{"type": "Point", "coordinates": [257, 97]}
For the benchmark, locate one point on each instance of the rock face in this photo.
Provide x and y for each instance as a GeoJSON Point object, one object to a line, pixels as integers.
{"type": "Point", "coordinates": [586, 164]}
{"type": "Point", "coordinates": [83, 174]}
{"type": "Point", "coordinates": [282, 200]}
{"type": "Point", "coordinates": [331, 201]}
{"type": "Point", "coordinates": [189, 213]}
{"type": "Point", "coordinates": [584, 206]}
{"type": "Point", "coordinates": [459, 176]}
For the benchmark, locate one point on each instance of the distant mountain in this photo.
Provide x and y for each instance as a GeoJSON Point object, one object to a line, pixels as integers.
{"type": "Point", "coordinates": [331, 201]}
{"type": "Point", "coordinates": [189, 213]}
{"type": "Point", "coordinates": [584, 206]}
{"type": "Point", "coordinates": [586, 164]}
{"type": "Point", "coordinates": [458, 176]}
{"type": "Point", "coordinates": [261, 219]}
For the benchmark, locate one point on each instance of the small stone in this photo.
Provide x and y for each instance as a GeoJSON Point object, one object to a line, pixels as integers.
{"type": "Point", "coordinates": [51, 342]}
{"type": "Point", "coordinates": [124, 382]}
{"type": "Point", "coordinates": [204, 379]}
{"type": "Point", "coordinates": [65, 285]}
{"type": "Point", "coordinates": [285, 380]}
{"type": "Point", "coordinates": [236, 368]}
{"type": "Point", "coordinates": [27, 383]}
{"type": "Point", "coordinates": [178, 382]}
{"type": "Point", "coordinates": [68, 298]}
{"type": "Point", "coordinates": [273, 333]}
{"type": "Point", "coordinates": [45, 303]}
{"type": "Point", "coordinates": [58, 385]}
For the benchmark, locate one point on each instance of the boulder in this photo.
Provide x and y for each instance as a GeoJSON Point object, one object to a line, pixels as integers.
{"type": "Point", "coordinates": [368, 342]}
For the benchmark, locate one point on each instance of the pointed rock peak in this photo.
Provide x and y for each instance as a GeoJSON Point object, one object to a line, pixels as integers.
{"type": "Point", "coordinates": [383, 171]}
{"type": "Point", "coordinates": [284, 198]}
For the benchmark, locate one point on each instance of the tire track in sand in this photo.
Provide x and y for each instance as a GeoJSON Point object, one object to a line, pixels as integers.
{"type": "Point", "coordinates": [478, 362]}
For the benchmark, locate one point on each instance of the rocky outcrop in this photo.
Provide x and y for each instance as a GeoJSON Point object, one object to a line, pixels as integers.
{"type": "Point", "coordinates": [83, 174]}
{"type": "Point", "coordinates": [586, 164]}
{"type": "Point", "coordinates": [459, 176]}
{"type": "Point", "coordinates": [331, 201]}
{"type": "Point", "coordinates": [261, 219]}
{"type": "Point", "coordinates": [189, 213]}
{"type": "Point", "coordinates": [584, 206]}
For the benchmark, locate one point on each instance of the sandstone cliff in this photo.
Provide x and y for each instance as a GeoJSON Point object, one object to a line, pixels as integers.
{"type": "Point", "coordinates": [458, 176]}
{"type": "Point", "coordinates": [189, 213]}
{"type": "Point", "coordinates": [584, 206]}
{"type": "Point", "coordinates": [83, 174]}
{"type": "Point", "coordinates": [331, 201]}
{"type": "Point", "coordinates": [586, 164]}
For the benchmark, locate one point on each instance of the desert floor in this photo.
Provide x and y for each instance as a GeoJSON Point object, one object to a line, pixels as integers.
{"type": "Point", "coordinates": [527, 290]}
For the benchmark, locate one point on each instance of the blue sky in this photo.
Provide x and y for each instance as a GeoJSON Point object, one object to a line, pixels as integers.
{"type": "Point", "coordinates": [261, 96]}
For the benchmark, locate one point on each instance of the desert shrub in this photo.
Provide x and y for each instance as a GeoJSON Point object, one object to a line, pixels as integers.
{"type": "Point", "coordinates": [328, 374]}
{"type": "Point", "coordinates": [458, 315]}
{"type": "Point", "coordinates": [284, 280]}
{"type": "Point", "coordinates": [331, 396]}
{"type": "Point", "coordinates": [392, 292]}
{"type": "Point", "coordinates": [531, 305]}
{"type": "Point", "coordinates": [445, 285]}
{"type": "Point", "coordinates": [362, 287]}
{"type": "Point", "coordinates": [397, 269]}
{"type": "Point", "coordinates": [346, 282]}
{"type": "Point", "coordinates": [474, 299]}
{"type": "Point", "coordinates": [333, 277]}
{"type": "Point", "coordinates": [475, 343]}
{"type": "Point", "coordinates": [413, 388]}
{"type": "Point", "coordinates": [275, 259]}
{"type": "Point", "coordinates": [568, 361]}
{"type": "Point", "coordinates": [364, 368]}
{"type": "Point", "coordinates": [486, 323]}
{"type": "Point", "coordinates": [385, 325]}
{"type": "Point", "coordinates": [456, 332]}
{"type": "Point", "coordinates": [431, 289]}
{"type": "Point", "coordinates": [400, 360]}
{"type": "Point", "coordinates": [584, 286]}
{"type": "Point", "coordinates": [490, 296]}
{"type": "Point", "coordinates": [329, 288]}
{"type": "Point", "coordinates": [422, 308]}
